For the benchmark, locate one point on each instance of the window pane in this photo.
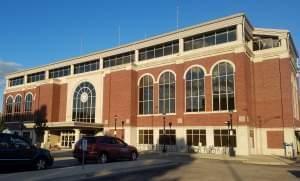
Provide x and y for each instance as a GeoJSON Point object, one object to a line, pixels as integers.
{"type": "Point", "coordinates": [216, 102]}
{"type": "Point", "coordinates": [223, 102]}
{"type": "Point", "coordinates": [216, 85]}
{"type": "Point", "coordinates": [188, 88]}
{"type": "Point", "coordinates": [188, 105]}
{"type": "Point", "coordinates": [222, 69]}
{"type": "Point", "coordinates": [231, 102]}
{"type": "Point", "coordinates": [223, 84]}
{"type": "Point", "coordinates": [189, 139]}
{"type": "Point", "coordinates": [201, 103]}
{"type": "Point", "coordinates": [209, 41]}
{"type": "Point", "coordinates": [198, 43]}
{"type": "Point", "coordinates": [217, 141]}
{"type": "Point", "coordinates": [188, 45]}
{"type": "Point", "coordinates": [221, 38]}
{"type": "Point", "coordinates": [195, 140]}
{"type": "Point", "coordinates": [230, 84]}
{"type": "Point", "coordinates": [232, 35]}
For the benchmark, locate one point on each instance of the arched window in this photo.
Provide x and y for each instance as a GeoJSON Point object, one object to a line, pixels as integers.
{"type": "Point", "coordinates": [194, 87]}
{"type": "Point", "coordinates": [167, 93]}
{"type": "Point", "coordinates": [28, 103]}
{"type": "Point", "coordinates": [9, 105]}
{"type": "Point", "coordinates": [223, 87]}
{"type": "Point", "coordinates": [18, 104]}
{"type": "Point", "coordinates": [146, 95]}
{"type": "Point", "coordinates": [84, 103]}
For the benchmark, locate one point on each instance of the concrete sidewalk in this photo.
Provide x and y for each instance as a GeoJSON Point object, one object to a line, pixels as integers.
{"type": "Point", "coordinates": [251, 159]}
{"type": "Point", "coordinates": [88, 171]}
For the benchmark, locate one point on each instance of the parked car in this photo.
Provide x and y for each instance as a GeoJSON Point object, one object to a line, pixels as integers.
{"type": "Point", "coordinates": [16, 151]}
{"type": "Point", "coordinates": [104, 148]}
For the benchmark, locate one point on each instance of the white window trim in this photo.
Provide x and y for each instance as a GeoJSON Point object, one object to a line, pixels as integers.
{"type": "Point", "coordinates": [171, 71]}
{"type": "Point", "coordinates": [184, 78]}
{"type": "Point", "coordinates": [211, 82]}
{"type": "Point", "coordinates": [138, 97]}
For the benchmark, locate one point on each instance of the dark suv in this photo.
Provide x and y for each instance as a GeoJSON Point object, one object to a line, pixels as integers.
{"type": "Point", "coordinates": [105, 148]}
{"type": "Point", "coordinates": [16, 151]}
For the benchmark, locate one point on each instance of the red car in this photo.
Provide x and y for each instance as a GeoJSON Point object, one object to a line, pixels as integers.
{"type": "Point", "coordinates": [105, 148]}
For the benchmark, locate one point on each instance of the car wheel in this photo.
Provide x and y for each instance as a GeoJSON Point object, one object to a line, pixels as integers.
{"type": "Point", "coordinates": [40, 164]}
{"type": "Point", "coordinates": [102, 158]}
{"type": "Point", "coordinates": [133, 156]}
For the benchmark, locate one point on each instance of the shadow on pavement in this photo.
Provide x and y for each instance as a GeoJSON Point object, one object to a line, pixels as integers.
{"type": "Point", "coordinates": [296, 173]}
{"type": "Point", "coordinates": [149, 174]}
{"type": "Point", "coordinates": [233, 172]}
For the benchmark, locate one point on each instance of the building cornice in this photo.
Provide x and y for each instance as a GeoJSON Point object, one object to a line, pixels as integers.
{"type": "Point", "coordinates": [181, 33]}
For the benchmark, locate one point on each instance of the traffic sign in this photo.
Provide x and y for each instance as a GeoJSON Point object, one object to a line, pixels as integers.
{"type": "Point", "coordinates": [84, 144]}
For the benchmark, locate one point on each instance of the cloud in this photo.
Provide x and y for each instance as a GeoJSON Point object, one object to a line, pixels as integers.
{"type": "Point", "coordinates": [5, 68]}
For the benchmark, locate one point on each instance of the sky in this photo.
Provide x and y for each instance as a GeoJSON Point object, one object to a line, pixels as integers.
{"type": "Point", "coordinates": [38, 32]}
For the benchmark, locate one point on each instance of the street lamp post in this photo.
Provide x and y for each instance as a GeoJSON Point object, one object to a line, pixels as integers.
{"type": "Point", "coordinates": [115, 131]}
{"type": "Point", "coordinates": [170, 139]}
{"type": "Point", "coordinates": [164, 150]}
{"type": "Point", "coordinates": [230, 132]}
{"type": "Point", "coordinates": [123, 130]}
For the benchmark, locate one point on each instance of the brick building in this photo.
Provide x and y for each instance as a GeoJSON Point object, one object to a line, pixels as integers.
{"type": "Point", "coordinates": [192, 80]}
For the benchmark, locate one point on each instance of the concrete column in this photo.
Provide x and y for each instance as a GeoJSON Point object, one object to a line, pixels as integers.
{"type": "Point", "coordinates": [155, 136]}
{"type": "Point", "coordinates": [181, 138]}
{"type": "Point", "coordinates": [46, 74]}
{"type": "Point", "coordinates": [46, 135]}
{"type": "Point", "coordinates": [242, 140]}
{"type": "Point", "coordinates": [181, 46]}
{"type": "Point", "coordinates": [7, 83]}
{"type": "Point", "coordinates": [136, 58]}
{"type": "Point", "coordinates": [210, 137]}
{"type": "Point", "coordinates": [25, 79]}
{"type": "Point", "coordinates": [77, 134]}
{"type": "Point", "coordinates": [284, 43]}
{"type": "Point", "coordinates": [101, 63]}
{"type": "Point", "coordinates": [239, 33]}
{"type": "Point", "coordinates": [72, 69]}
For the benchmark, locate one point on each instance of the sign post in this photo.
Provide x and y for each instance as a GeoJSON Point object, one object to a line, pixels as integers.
{"type": "Point", "coordinates": [84, 149]}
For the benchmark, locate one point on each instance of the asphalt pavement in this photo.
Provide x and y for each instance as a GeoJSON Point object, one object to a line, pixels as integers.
{"type": "Point", "coordinates": [170, 166]}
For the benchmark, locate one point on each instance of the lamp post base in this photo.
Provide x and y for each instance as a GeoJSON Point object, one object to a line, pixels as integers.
{"type": "Point", "coordinates": [231, 152]}
{"type": "Point", "coordinates": [164, 150]}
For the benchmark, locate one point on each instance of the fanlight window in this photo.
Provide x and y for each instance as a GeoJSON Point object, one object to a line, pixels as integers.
{"type": "Point", "coordinates": [9, 105]}
{"type": "Point", "coordinates": [28, 103]}
{"type": "Point", "coordinates": [146, 95]}
{"type": "Point", "coordinates": [167, 93]}
{"type": "Point", "coordinates": [84, 103]}
{"type": "Point", "coordinates": [194, 86]}
{"type": "Point", "coordinates": [18, 104]}
{"type": "Point", "coordinates": [223, 87]}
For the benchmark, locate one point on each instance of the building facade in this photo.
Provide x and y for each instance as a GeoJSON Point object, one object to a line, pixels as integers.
{"type": "Point", "coordinates": [180, 89]}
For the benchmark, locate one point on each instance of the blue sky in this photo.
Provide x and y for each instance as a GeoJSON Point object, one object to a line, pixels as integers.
{"type": "Point", "coordinates": [36, 32]}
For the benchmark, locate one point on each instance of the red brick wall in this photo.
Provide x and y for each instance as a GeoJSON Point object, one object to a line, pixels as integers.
{"type": "Point", "coordinates": [241, 62]}
{"type": "Point", "coordinates": [120, 97]}
{"type": "Point", "coordinates": [274, 139]}
{"type": "Point", "coordinates": [273, 93]}
{"type": "Point", "coordinates": [50, 98]}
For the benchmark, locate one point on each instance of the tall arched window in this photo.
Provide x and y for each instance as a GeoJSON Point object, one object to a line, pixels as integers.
{"type": "Point", "coordinates": [9, 105]}
{"type": "Point", "coordinates": [84, 103]}
{"type": "Point", "coordinates": [223, 87]}
{"type": "Point", "coordinates": [28, 103]}
{"type": "Point", "coordinates": [146, 95]}
{"type": "Point", "coordinates": [194, 87]}
{"type": "Point", "coordinates": [18, 104]}
{"type": "Point", "coordinates": [167, 93]}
